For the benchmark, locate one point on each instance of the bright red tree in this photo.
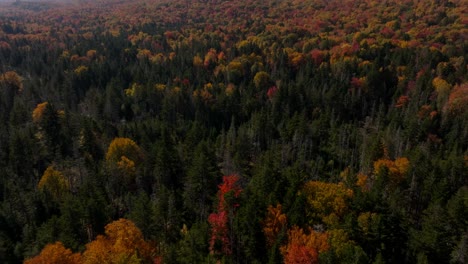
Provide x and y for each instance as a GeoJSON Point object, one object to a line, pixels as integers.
{"type": "Point", "coordinates": [219, 221]}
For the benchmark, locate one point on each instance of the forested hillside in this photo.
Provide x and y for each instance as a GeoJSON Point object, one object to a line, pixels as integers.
{"type": "Point", "coordinates": [276, 131]}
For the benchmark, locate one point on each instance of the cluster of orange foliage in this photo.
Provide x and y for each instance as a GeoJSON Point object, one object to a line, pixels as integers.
{"type": "Point", "coordinates": [396, 168]}
{"type": "Point", "coordinates": [38, 112]}
{"type": "Point", "coordinates": [304, 247]}
{"type": "Point", "coordinates": [274, 223]}
{"type": "Point", "coordinates": [327, 202]}
{"type": "Point", "coordinates": [396, 171]}
{"type": "Point", "coordinates": [123, 242]}
{"type": "Point", "coordinates": [55, 254]}
{"type": "Point", "coordinates": [457, 103]}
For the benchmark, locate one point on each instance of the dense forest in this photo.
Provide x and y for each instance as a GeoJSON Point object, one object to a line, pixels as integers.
{"type": "Point", "coordinates": [210, 131]}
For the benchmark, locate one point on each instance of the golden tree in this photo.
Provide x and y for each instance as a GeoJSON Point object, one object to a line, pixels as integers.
{"type": "Point", "coordinates": [368, 222]}
{"type": "Point", "coordinates": [441, 86]}
{"type": "Point", "coordinates": [54, 183]}
{"type": "Point", "coordinates": [122, 243]}
{"type": "Point", "coordinates": [11, 79]}
{"type": "Point", "coordinates": [120, 147]}
{"type": "Point", "coordinates": [262, 80]}
{"type": "Point", "coordinates": [123, 157]}
{"type": "Point", "coordinates": [38, 112]}
{"type": "Point", "coordinates": [327, 201]}
{"type": "Point", "coordinates": [55, 254]}
{"type": "Point", "coordinates": [197, 61]}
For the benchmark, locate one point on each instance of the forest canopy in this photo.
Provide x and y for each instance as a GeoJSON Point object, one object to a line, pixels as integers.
{"type": "Point", "coordinates": [176, 131]}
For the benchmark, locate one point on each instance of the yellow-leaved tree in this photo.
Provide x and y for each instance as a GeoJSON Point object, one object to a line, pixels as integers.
{"type": "Point", "coordinates": [442, 87]}
{"type": "Point", "coordinates": [327, 202]}
{"type": "Point", "coordinates": [53, 183]}
{"type": "Point", "coordinates": [123, 157]}
{"type": "Point", "coordinates": [123, 147]}
{"type": "Point", "coordinates": [262, 80]}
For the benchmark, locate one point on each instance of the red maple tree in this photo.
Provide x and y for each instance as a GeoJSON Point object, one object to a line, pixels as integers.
{"type": "Point", "coordinates": [220, 241]}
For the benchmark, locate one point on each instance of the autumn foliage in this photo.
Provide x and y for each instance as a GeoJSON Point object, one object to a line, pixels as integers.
{"type": "Point", "coordinates": [274, 223]}
{"type": "Point", "coordinates": [54, 183]}
{"type": "Point", "coordinates": [123, 242]}
{"type": "Point", "coordinates": [304, 247]}
{"type": "Point", "coordinates": [11, 79]}
{"type": "Point", "coordinates": [396, 168]}
{"type": "Point", "coordinates": [229, 190]}
{"type": "Point", "coordinates": [55, 254]}
{"type": "Point", "coordinates": [313, 103]}
{"type": "Point", "coordinates": [38, 112]}
{"type": "Point", "coordinates": [123, 147]}
{"type": "Point", "coordinates": [457, 103]}
{"type": "Point", "coordinates": [328, 201]}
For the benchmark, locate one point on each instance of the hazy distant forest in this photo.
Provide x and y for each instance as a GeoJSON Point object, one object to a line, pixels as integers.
{"type": "Point", "coordinates": [211, 131]}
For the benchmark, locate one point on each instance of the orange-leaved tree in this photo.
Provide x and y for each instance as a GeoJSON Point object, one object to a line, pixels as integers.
{"type": "Point", "coordinates": [38, 112]}
{"type": "Point", "coordinates": [304, 247]}
{"type": "Point", "coordinates": [275, 221]}
{"type": "Point", "coordinates": [457, 103]}
{"type": "Point", "coordinates": [55, 254]}
{"type": "Point", "coordinates": [396, 169]}
{"type": "Point", "coordinates": [11, 79]}
{"type": "Point", "coordinates": [123, 242]}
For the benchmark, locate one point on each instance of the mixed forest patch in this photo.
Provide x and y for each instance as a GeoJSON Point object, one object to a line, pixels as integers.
{"type": "Point", "coordinates": [178, 131]}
